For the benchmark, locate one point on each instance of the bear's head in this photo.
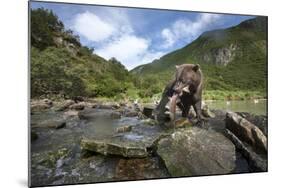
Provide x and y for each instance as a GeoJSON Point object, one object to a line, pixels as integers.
{"type": "Point", "coordinates": [188, 77]}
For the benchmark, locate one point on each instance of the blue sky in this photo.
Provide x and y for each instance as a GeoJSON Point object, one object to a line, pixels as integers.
{"type": "Point", "coordinates": [136, 36]}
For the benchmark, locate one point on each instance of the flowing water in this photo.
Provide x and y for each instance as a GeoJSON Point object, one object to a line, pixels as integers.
{"type": "Point", "coordinates": [56, 156]}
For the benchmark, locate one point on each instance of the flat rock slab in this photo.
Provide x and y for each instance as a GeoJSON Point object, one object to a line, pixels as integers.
{"type": "Point", "coordinates": [138, 143]}
{"type": "Point", "coordinates": [195, 151]}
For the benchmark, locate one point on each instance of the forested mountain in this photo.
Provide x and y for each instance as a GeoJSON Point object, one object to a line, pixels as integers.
{"type": "Point", "coordinates": [61, 66]}
{"type": "Point", "coordinates": [231, 59]}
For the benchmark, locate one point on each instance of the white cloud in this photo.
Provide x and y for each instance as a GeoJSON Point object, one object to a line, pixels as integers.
{"type": "Point", "coordinates": [186, 29]}
{"type": "Point", "coordinates": [114, 36]}
{"type": "Point", "coordinates": [92, 27]}
{"type": "Point", "coordinates": [130, 50]}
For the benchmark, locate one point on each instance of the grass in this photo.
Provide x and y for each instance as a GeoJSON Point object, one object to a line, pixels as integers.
{"type": "Point", "coordinates": [233, 95]}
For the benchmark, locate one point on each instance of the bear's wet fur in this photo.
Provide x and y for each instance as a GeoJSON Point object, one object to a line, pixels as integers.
{"type": "Point", "coordinates": [188, 84]}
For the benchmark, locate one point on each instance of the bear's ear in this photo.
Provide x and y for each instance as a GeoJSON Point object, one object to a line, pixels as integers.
{"type": "Point", "coordinates": [196, 67]}
{"type": "Point", "coordinates": [177, 66]}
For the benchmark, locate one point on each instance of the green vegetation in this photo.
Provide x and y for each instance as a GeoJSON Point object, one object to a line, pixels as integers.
{"type": "Point", "coordinates": [62, 68]}
{"type": "Point", "coordinates": [246, 72]}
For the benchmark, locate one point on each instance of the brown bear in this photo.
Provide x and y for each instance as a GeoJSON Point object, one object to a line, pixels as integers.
{"type": "Point", "coordinates": [184, 91]}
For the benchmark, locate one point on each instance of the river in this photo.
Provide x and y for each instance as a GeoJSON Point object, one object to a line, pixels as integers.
{"type": "Point", "coordinates": [258, 107]}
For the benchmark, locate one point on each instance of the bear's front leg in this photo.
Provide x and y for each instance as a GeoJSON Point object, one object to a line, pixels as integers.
{"type": "Point", "coordinates": [184, 109]}
{"type": "Point", "coordinates": [197, 109]}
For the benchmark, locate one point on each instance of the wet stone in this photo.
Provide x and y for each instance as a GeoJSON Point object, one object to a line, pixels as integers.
{"type": "Point", "coordinates": [195, 151]}
{"type": "Point", "coordinates": [135, 144]}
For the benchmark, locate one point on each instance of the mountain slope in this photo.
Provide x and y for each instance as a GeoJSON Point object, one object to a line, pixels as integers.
{"type": "Point", "coordinates": [61, 66]}
{"type": "Point", "coordinates": [231, 59]}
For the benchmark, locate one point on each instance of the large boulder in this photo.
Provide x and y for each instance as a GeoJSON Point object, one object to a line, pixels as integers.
{"type": "Point", "coordinates": [246, 131]}
{"type": "Point", "coordinates": [195, 151]}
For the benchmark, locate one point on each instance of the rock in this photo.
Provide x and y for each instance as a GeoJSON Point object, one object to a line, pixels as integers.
{"type": "Point", "coordinates": [56, 124]}
{"type": "Point", "coordinates": [70, 113]}
{"type": "Point", "coordinates": [147, 111]}
{"type": "Point", "coordinates": [207, 112]}
{"type": "Point", "coordinates": [50, 158]}
{"type": "Point", "coordinates": [131, 113]}
{"type": "Point", "coordinates": [149, 121]}
{"type": "Point", "coordinates": [105, 147]}
{"type": "Point", "coordinates": [259, 120]}
{"type": "Point", "coordinates": [123, 129]}
{"type": "Point", "coordinates": [246, 131]}
{"type": "Point", "coordinates": [123, 104]}
{"type": "Point", "coordinates": [183, 122]}
{"type": "Point", "coordinates": [115, 115]}
{"type": "Point", "coordinates": [257, 163]}
{"type": "Point", "coordinates": [108, 105]}
{"type": "Point", "coordinates": [136, 169]}
{"type": "Point", "coordinates": [40, 105]}
{"type": "Point", "coordinates": [138, 143]}
{"type": "Point", "coordinates": [78, 99]}
{"type": "Point", "coordinates": [196, 151]}
{"type": "Point", "coordinates": [34, 136]}
{"type": "Point", "coordinates": [64, 105]}
{"type": "Point", "coordinates": [48, 102]}
{"type": "Point", "coordinates": [98, 114]}
{"type": "Point", "coordinates": [77, 106]}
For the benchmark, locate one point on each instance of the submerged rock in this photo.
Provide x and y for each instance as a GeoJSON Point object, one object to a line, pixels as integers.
{"type": "Point", "coordinates": [55, 124]}
{"type": "Point", "coordinates": [196, 151]}
{"type": "Point", "coordinates": [91, 113]}
{"type": "Point", "coordinates": [123, 129]}
{"type": "Point", "coordinates": [50, 158]}
{"type": "Point", "coordinates": [246, 131]}
{"type": "Point", "coordinates": [136, 169]}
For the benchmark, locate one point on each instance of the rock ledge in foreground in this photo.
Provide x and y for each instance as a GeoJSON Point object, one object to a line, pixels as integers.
{"type": "Point", "coordinates": [195, 151]}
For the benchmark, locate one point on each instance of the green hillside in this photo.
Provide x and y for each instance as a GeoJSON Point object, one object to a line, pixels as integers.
{"type": "Point", "coordinates": [232, 60]}
{"type": "Point", "coordinates": [62, 67]}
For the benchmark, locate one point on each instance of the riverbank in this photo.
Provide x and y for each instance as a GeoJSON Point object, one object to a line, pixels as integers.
{"type": "Point", "coordinates": [94, 141]}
